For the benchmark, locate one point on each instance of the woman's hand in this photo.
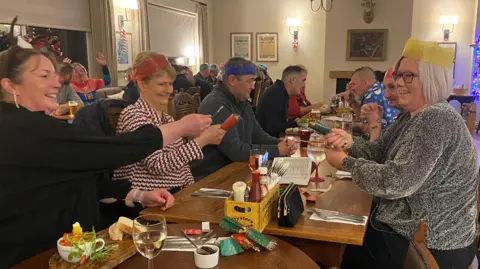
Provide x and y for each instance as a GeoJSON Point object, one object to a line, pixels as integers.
{"type": "Point", "coordinates": [193, 125]}
{"type": "Point", "coordinates": [157, 198]}
{"type": "Point", "coordinates": [67, 60]}
{"type": "Point", "coordinates": [335, 158]}
{"type": "Point", "coordinates": [212, 136]}
{"type": "Point", "coordinates": [101, 60]}
{"type": "Point", "coordinates": [61, 110]}
{"type": "Point", "coordinates": [339, 139]}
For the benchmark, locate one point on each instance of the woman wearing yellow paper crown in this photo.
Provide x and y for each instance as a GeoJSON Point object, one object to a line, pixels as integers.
{"type": "Point", "coordinates": [422, 168]}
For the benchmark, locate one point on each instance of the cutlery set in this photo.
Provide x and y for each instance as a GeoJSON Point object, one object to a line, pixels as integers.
{"type": "Point", "coordinates": [328, 215]}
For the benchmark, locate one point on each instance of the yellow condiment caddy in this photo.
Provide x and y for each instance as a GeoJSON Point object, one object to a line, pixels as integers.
{"type": "Point", "coordinates": [253, 215]}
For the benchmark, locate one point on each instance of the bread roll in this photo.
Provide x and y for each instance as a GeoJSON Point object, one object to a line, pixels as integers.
{"type": "Point", "coordinates": [115, 233]}
{"type": "Point", "coordinates": [125, 225]}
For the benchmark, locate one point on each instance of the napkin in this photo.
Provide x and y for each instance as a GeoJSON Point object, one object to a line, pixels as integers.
{"type": "Point", "coordinates": [187, 246]}
{"type": "Point", "coordinates": [316, 217]}
{"type": "Point", "coordinates": [343, 174]}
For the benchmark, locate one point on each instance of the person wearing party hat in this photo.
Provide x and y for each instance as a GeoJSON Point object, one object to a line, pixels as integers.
{"type": "Point", "coordinates": [422, 169]}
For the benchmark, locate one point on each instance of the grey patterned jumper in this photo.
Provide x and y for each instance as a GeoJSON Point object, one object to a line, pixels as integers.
{"type": "Point", "coordinates": [423, 167]}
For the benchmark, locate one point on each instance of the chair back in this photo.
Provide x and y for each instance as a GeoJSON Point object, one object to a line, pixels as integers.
{"type": "Point", "coordinates": [418, 255]}
{"type": "Point", "coordinates": [195, 91]}
{"type": "Point", "coordinates": [257, 92]}
{"type": "Point", "coordinates": [471, 117]}
{"type": "Point", "coordinates": [185, 104]}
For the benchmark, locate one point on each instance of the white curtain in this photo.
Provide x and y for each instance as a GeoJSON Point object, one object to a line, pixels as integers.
{"type": "Point", "coordinates": [103, 36]}
{"type": "Point", "coordinates": [202, 17]}
{"type": "Point", "coordinates": [172, 32]}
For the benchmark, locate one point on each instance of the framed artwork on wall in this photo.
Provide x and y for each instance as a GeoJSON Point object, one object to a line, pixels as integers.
{"type": "Point", "coordinates": [124, 51]}
{"type": "Point", "coordinates": [241, 45]}
{"type": "Point", "coordinates": [452, 45]}
{"type": "Point", "coordinates": [267, 47]}
{"type": "Point", "coordinates": [367, 44]}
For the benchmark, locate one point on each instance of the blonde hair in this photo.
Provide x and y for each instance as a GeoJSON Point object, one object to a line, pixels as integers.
{"type": "Point", "coordinates": [437, 82]}
{"type": "Point", "coordinates": [151, 55]}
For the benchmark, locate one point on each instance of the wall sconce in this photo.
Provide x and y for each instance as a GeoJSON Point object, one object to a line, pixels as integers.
{"type": "Point", "coordinates": [294, 25]}
{"type": "Point", "coordinates": [448, 20]}
{"type": "Point", "coordinates": [125, 4]}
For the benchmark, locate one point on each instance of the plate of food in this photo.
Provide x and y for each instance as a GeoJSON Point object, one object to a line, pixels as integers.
{"type": "Point", "coordinates": [292, 131]}
{"type": "Point", "coordinates": [325, 109]}
{"type": "Point", "coordinates": [105, 249]}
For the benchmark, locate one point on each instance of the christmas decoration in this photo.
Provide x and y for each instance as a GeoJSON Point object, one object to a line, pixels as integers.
{"type": "Point", "coordinates": [43, 39]}
{"type": "Point", "coordinates": [295, 43]}
{"type": "Point", "coordinates": [123, 35]}
{"type": "Point", "coordinates": [475, 82]}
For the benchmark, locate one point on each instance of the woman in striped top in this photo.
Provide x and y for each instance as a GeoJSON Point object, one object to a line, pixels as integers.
{"type": "Point", "coordinates": [167, 168]}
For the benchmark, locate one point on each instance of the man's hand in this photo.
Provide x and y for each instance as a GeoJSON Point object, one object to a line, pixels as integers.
{"type": "Point", "coordinates": [101, 60]}
{"type": "Point", "coordinates": [158, 198]}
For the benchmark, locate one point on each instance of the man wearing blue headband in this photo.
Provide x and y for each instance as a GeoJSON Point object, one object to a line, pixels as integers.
{"type": "Point", "coordinates": [231, 97]}
{"type": "Point", "coordinates": [272, 107]}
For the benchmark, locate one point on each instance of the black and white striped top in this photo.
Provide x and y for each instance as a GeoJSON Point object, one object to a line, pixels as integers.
{"type": "Point", "coordinates": [166, 168]}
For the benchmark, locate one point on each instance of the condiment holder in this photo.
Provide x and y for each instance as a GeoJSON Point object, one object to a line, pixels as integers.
{"type": "Point", "coordinates": [206, 260]}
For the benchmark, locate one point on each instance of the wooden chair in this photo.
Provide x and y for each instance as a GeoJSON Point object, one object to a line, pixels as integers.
{"type": "Point", "coordinates": [195, 91]}
{"type": "Point", "coordinates": [418, 256]}
{"type": "Point", "coordinates": [183, 104]}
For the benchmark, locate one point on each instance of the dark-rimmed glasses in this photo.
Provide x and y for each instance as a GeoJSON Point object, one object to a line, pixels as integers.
{"type": "Point", "coordinates": [407, 76]}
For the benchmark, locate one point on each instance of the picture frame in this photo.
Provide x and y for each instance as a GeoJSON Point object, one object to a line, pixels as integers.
{"type": "Point", "coordinates": [452, 45]}
{"type": "Point", "coordinates": [267, 47]}
{"type": "Point", "coordinates": [241, 45]}
{"type": "Point", "coordinates": [367, 44]}
{"type": "Point", "coordinates": [124, 59]}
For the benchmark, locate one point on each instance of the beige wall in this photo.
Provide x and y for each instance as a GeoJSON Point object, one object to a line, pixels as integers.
{"type": "Point", "coordinates": [189, 6]}
{"type": "Point", "coordinates": [426, 26]}
{"type": "Point", "coordinates": [270, 16]}
{"type": "Point", "coordinates": [394, 15]}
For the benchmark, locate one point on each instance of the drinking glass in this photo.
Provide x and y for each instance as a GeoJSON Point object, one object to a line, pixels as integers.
{"type": "Point", "coordinates": [304, 137]}
{"type": "Point", "coordinates": [258, 158]}
{"type": "Point", "coordinates": [73, 105]}
{"type": "Point", "coordinates": [316, 153]}
{"type": "Point", "coordinates": [347, 124]}
{"type": "Point", "coordinates": [149, 234]}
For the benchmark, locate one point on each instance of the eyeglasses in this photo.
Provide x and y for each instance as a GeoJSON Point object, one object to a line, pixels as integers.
{"type": "Point", "coordinates": [407, 76]}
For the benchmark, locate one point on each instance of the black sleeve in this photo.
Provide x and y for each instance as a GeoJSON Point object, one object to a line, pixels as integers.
{"type": "Point", "coordinates": [59, 145]}
{"type": "Point", "coordinates": [108, 188]}
{"type": "Point", "coordinates": [205, 89]}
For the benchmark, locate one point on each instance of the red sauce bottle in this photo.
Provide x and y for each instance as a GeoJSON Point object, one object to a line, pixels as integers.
{"type": "Point", "coordinates": [255, 190]}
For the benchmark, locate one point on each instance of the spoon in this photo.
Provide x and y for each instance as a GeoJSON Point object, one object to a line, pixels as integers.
{"type": "Point", "coordinates": [200, 251]}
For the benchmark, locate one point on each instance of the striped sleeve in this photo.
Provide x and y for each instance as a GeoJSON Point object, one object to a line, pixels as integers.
{"type": "Point", "coordinates": [163, 161]}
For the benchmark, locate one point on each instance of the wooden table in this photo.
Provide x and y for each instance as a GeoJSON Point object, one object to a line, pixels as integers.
{"type": "Point", "coordinates": [283, 256]}
{"type": "Point", "coordinates": [344, 196]}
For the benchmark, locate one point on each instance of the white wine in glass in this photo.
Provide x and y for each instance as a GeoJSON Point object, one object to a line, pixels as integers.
{"type": "Point", "coordinates": [316, 153]}
{"type": "Point", "coordinates": [149, 234]}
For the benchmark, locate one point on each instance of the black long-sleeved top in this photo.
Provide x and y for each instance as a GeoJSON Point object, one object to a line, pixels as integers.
{"type": "Point", "coordinates": [239, 140]}
{"type": "Point", "coordinates": [52, 175]}
{"type": "Point", "coordinates": [272, 110]}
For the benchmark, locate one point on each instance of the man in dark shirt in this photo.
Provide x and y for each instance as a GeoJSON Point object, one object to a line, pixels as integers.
{"type": "Point", "coordinates": [130, 91]}
{"type": "Point", "coordinates": [212, 78]}
{"type": "Point", "coordinates": [272, 107]}
{"type": "Point", "coordinates": [182, 82]}
{"type": "Point", "coordinates": [205, 88]}
{"type": "Point", "coordinates": [231, 97]}
{"type": "Point", "coordinates": [204, 72]}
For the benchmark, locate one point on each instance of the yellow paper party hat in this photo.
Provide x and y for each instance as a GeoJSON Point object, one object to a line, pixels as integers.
{"type": "Point", "coordinates": [429, 52]}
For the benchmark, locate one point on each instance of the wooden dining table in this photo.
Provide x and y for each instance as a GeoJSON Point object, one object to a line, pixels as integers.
{"type": "Point", "coordinates": [322, 241]}
{"type": "Point", "coordinates": [284, 256]}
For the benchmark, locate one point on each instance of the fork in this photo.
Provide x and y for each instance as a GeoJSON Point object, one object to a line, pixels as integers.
{"type": "Point", "coordinates": [323, 216]}
{"type": "Point", "coordinates": [328, 213]}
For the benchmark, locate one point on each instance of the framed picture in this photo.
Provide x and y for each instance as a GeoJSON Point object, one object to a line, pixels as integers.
{"type": "Point", "coordinates": [367, 44]}
{"type": "Point", "coordinates": [124, 51]}
{"type": "Point", "coordinates": [452, 45]}
{"type": "Point", "coordinates": [241, 45]}
{"type": "Point", "coordinates": [267, 47]}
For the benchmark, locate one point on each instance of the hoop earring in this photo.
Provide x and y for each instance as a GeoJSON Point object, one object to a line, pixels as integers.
{"type": "Point", "coordinates": [15, 99]}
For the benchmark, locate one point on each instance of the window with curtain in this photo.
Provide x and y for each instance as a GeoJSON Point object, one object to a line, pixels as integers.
{"type": "Point", "coordinates": [173, 33]}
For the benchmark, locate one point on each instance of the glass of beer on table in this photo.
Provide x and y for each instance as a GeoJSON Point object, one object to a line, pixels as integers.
{"type": "Point", "coordinates": [258, 158]}
{"type": "Point", "coordinates": [304, 137]}
{"type": "Point", "coordinates": [73, 105]}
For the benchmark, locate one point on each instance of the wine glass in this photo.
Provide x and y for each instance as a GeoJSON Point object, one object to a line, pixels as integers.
{"type": "Point", "coordinates": [316, 152]}
{"type": "Point", "coordinates": [149, 234]}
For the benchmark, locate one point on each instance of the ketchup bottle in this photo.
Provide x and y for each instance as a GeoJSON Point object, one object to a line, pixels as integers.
{"type": "Point", "coordinates": [255, 190]}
